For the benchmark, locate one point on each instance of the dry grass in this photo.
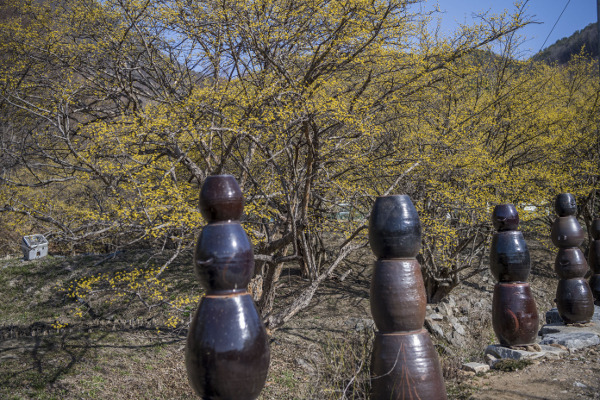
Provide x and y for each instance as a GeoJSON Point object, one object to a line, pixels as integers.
{"type": "Point", "coordinates": [319, 354]}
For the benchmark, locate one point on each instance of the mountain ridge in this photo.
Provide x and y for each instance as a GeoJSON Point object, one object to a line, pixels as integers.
{"type": "Point", "coordinates": [564, 49]}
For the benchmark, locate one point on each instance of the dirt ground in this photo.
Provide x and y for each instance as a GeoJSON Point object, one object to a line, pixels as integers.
{"type": "Point", "coordinates": [574, 377]}
{"type": "Point", "coordinates": [322, 353]}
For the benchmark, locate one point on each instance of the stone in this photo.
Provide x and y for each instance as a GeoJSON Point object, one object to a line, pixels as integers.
{"type": "Point", "coordinates": [458, 341]}
{"type": "Point", "coordinates": [490, 360]}
{"type": "Point", "coordinates": [446, 309]}
{"type": "Point", "coordinates": [571, 337]}
{"type": "Point", "coordinates": [360, 324]}
{"type": "Point", "coordinates": [547, 352]}
{"type": "Point", "coordinates": [553, 317]}
{"type": "Point", "coordinates": [476, 367]}
{"type": "Point", "coordinates": [450, 301]}
{"type": "Point", "coordinates": [434, 328]}
{"type": "Point", "coordinates": [458, 328]}
{"type": "Point", "coordinates": [579, 385]}
{"type": "Point", "coordinates": [436, 317]}
{"type": "Point", "coordinates": [530, 347]}
{"type": "Point", "coordinates": [572, 340]}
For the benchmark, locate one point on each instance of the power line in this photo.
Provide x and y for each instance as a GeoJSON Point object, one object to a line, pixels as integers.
{"type": "Point", "coordinates": [552, 30]}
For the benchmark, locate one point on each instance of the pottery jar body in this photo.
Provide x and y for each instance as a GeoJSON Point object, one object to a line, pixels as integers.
{"type": "Point", "coordinates": [566, 232]}
{"type": "Point", "coordinates": [224, 259]}
{"type": "Point", "coordinates": [570, 263]}
{"type": "Point", "coordinates": [509, 257]}
{"type": "Point", "coordinates": [514, 314]}
{"type": "Point", "coordinates": [397, 297]}
{"type": "Point", "coordinates": [394, 228]}
{"type": "Point", "coordinates": [227, 355]}
{"type": "Point", "coordinates": [221, 199]}
{"type": "Point", "coordinates": [505, 217]}
{"type": "Point", "coordinates": [574, 300]}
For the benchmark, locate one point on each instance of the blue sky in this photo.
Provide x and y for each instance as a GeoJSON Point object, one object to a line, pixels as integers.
{"type": "Point", "coordinates": [577, 15]}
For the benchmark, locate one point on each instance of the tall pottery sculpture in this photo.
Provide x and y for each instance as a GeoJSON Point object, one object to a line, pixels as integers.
{"type": "Point", "coordinates": [573, 295]}
{"type": "Point", "coordinates": [404, 363]}
{"type": "Point", "coordinates": [514, 313]}
{"type": "Point", "coordinates": [594, 260]}
{"type": "Point", "coordinates": [227, 352]}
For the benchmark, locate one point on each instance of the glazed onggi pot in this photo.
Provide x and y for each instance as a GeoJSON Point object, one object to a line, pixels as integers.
{"type": "Point", "coordinates": [594, 259]}
{"type": "Point", "coordinates": [394, 228]}
{"type": "Point", "coordinates": [406, 366]}
{"type": "Point", "coordinates": [397, 297]}
{"type": "Point", "coordinates": [565, 204]}
{"type": "Point", "coordinates": [227, 349]}
{"type": "Point", "coordinates": [595, 286]}
{"type": "Point", "coordinates": [574, 300]}
{"type": "Point", "coordinates": [514, 314]}
{"type": "Point", "coordinates": [227, 353]}
{"type": "Point", "coordinates": [505, 217]}
{"type": "Point", "coordinates": [221, 199]}
{"type": "Point", "coordinates": [223, 258]}
{"type": "Point", "coordinates": [509, 257]}
{"type": "Point", "coordinates": [566, 232]}
{"type": "Point", "coordinates": [570, 263]}
{"type": "Point", "coordinates": [404, 363]}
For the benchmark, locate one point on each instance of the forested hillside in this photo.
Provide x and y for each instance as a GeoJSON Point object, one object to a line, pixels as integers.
{"type": "Point", "coordinates": [585, 40]}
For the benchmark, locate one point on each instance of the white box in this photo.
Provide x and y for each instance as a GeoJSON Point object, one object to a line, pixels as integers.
{"type": "Point", "coordinates": [34, 246]}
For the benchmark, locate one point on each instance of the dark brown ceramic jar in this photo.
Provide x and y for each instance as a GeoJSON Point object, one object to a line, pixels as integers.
{"type": "Point", "coordinates": [227, 350]}
{"type": "Point", "coordinates": [224, 259]}
{"type": "Point", "coordinates": [565, 204]}
{"type": "Point", "coordinates": [514, 314]}
{"type": "Point", "coordinates": [406, 366]}
{"type": "Point", "coordinates": [509, 257]}
{"type": "Point", "coordinates": [594, 256]}
{"type": "Point", "coordinates": [595, 229]}
{"type": "Point", "coordinates": [404, 363]}
{"type": "Point", "coordinates": [566, 232]}
{"type": "Point", "coordinates": [505, 217]}
{"type": "Point", "coordinates": [394, 228]}
{"type": "Point", "coordinates": [595, 287]}
{"type": "Point", "coordinates": [221, 199]}
{"type": "Point", "coordinates": [570, 263]}
{"type": "Point", "coordinates": [594, 251]}
{"type": "Point", "coordinates": [574, 300]}
{"type": "Point", "coordinates": [227, 353]}
{"type": "Point", "coordinates": [398, 298]}
{"type": "Point", "coordinates": [594, 259]}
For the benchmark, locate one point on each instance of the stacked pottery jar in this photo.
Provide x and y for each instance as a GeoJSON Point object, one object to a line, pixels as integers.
{"type": "Point", "coordinates": [514, 313]}
{"type": "Point", "coordinates": [404, 363]}
{"type": "Point", "coordinates": [227, 351]}
{"type": "Point", "coordinates": [594, 259]}
{"type": "Point", "coordinates": [573, 295]}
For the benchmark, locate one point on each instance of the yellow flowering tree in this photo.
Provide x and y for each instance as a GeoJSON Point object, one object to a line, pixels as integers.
{"type": "Point", "coordinates": [121, 109]}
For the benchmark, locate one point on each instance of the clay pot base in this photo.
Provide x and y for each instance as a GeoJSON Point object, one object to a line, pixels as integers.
{"type": "Point", "coordinates": [406, 366]}
{"type": "Point", "coordinates": [227, 353]}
